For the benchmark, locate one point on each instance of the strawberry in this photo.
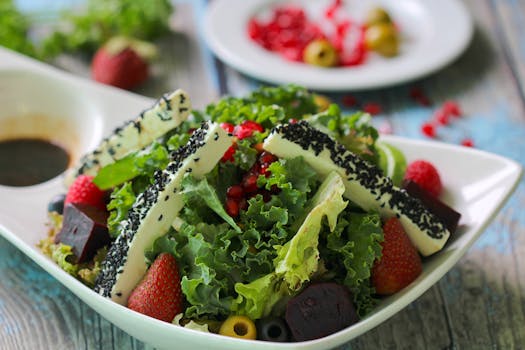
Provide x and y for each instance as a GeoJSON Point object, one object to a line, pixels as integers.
{"type": "Point", "coordinates": [400, 263]}
{"type": "Point", "coordinates": [425, 175]}
{"type": "Point", "coordinates": [159, 294]}
{"type": "Point", "coordinates": [84, 191]}
{"type": "Point", "coordinates": [122, 62]}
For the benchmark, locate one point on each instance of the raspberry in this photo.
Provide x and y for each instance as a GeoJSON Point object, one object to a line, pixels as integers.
{"type": "Point", "coordinates": [84, 191]}
{"type": "Point", "coordinates": [425, 175]}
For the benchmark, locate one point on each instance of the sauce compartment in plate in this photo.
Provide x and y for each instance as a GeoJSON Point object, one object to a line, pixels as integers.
{"type": "Point", "coordinates": [41, 111]}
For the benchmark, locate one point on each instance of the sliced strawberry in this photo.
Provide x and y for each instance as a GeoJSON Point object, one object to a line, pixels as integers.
{"type": "Point", "coordinates": [159, 294]}
{"type": "Point", "coordinates": [400, 263]}
{"type": "Point", "coordinates": [84, 191]}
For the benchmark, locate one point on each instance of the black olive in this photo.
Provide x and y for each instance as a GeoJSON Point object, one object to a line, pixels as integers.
{"type": "Point", "coordinates": [57, 204]}
{"type": "Point", "coordinates": [272, 329]}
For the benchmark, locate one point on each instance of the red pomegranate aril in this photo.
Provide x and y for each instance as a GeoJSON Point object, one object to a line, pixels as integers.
{"type": "Point", "coordinates": [452, 108]}
{"type": "Point", "coordinates": [442, 117]}
{"type": "Point", "coordinates": [267, 195]}
{"type": "Point", "coordinates": [349, 101]}
{"type": "Point", "coordinates": [419, 96]}
{"type": "Point", "coordinates": [235, 191]}
{"type": "Point", "coordinates": [232, 207]}
{"type": "Point", "coordinates": [264, 170]}
{"type": "Point", "coordinates": [372, 108]}
{"type": "Point", "coordinates": [267, 158]}
{"type": "Point", "coordinates": [292, 121]}
{"type": "Point", "coordinates": [428, 129]}
{"type": "Point", "coordinates": [467, 142]}
{"type": "Point", "coordinates": [249, 183]}
{"type": "Point", "coordinates": [228, 127]}
{"type": "Point", "coordinates": [274, 189]}
{"type": "Point", "coordinates": [228, 155]}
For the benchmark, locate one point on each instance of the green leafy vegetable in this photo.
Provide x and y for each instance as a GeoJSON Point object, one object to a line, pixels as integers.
{"type": "Point", "coordinates": [144, 163]}
{"type": "Point", "coordinates": [122, 200]}
{"type": "Point", "coordinates": [14, 31]}
{"type": "Point", "coordinates": [103, 19]}
{"type": "Point", "coordinates": [63, 255]}
{"type": "Point", "coordinates": [354, 131]}
{"type": "Point", "coordinates": [197, 193]}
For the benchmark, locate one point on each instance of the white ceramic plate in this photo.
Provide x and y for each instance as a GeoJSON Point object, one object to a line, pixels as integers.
{"type": "Point", "coordinates": [435, 33]}
{"type": "Point", "coordinates": [477, 184]}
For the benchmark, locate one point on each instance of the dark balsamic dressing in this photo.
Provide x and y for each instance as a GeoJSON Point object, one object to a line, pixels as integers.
{"type": "Point", "coordinates": [28, 161]}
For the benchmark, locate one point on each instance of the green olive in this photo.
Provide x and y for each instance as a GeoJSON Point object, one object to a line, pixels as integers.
{"type": "Point", "coordinates": [320, 52]}
{"type": "Point", "coordinates": [377, 15]}
{"type": "Point", "coordinates": [383, 39]}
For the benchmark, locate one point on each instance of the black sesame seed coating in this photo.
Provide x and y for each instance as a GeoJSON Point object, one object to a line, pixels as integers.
{"type": "Point", "coordinates": [118, 252]}
{"type": "Point", "coordinates": [366, 174]}
{"type": "Point", "coordinates": [164, 112]}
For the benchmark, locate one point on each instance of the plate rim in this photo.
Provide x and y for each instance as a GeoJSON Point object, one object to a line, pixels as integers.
{"type": "Point", "coordinates": [339, 82]}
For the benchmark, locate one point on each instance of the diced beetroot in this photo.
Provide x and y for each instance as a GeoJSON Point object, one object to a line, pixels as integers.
{"type": "Point", "coordinates": [320, 310]}
{"type": "Point", "coordinates": [84, 229]}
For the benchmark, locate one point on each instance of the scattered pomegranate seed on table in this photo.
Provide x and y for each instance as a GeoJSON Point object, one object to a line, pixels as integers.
{"type": "Point", "coordinates": [428, 129]}
{"type": "Point", "coordinates": [372, 108]}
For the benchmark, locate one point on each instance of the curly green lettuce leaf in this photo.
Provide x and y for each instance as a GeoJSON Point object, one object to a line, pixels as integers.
{"type": "Point", "coordinates": [122, 200]}
{"type": "Point", "coordinates": [354, 131]}
{"type": "Point", "coordinates": [197, 193]}
{"type": "Point", "coordinates": [257, 299]}
{"type": "Point", "coordinates": [14, 31]}
{"type": "Point", "coordinates": [298, 259]}
{"type": "Point", "coordinates": [351, 250]}
{"type": "Point", "coordinates": [63, 255]}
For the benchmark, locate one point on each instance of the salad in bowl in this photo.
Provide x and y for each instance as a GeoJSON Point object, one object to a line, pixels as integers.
{"type": "Point", "coordinates": [272, 216]}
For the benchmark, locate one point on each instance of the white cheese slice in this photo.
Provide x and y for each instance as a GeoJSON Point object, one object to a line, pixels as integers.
{"type": "Point", "coordinates": [364, 183]}
{"type": "Point", "coordinates": [155, 210]}
{"type": "Point", "coordinates": [166, 114]}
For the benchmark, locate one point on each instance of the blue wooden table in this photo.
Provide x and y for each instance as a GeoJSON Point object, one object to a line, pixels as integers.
{"type": "Point", "coordinates": [479, 304]}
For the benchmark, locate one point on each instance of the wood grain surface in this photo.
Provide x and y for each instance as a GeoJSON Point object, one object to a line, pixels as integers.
{"type": "Point", "coordinates": [479, 304]}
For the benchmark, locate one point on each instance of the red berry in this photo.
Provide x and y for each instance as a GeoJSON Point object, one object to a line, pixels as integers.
{"type": "Point", "coordinates": [84, 191]}
{"type": "Point", "coordinates": [159, 294]}
{"type": "Point", "coordinates": [372, 108]}
{"type": "Point", "coordinates": [292, 121]}
{"type": "Point", "coordinates": [425, 175]}
{"type": "Point", "coordinates": [247, 128]}
{"type": "Point", "coordinates": [441, 117]}
{"type": "Point", "coordinates": [428, 129]}
{"type": "Point", "coordinates": [228, 155]}
{"type": "Point", "coordinates": [451, 108]}
{"type": "Point", "coordinates": [228, 127]}
{"type": "Point", "coordinates": [235, 191]}
{"type": "Point", "coordinates": [349, 101]}
{"type": "Point", "coordinates": [123, 68]}
{"type": "Point", "coordinates": [232, 207]}
{"type": "Point", "coordinates": [249, 183]}
{"type": "Point", "coordinates": [267, 158]}
{"type": "Point", "coordinates": [400, 263]}
{"type": "Point", "coordinates": [467, 142]}
{"type": "Point", "coordinates": [419, 96]}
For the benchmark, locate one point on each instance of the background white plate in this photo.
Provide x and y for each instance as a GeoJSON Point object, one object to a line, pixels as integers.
{"type": "Point", "coordinates": [436, 32]}
{"type": "Point", "coordinates": [477, 184]}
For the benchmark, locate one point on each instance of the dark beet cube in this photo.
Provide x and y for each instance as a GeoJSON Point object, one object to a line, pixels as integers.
{"type": "Point", "coordinates": [448, 216]}
{"type": "Point", "coordinates": [84, 229]}
{"type": "Point", "coordinates": [320, 310]}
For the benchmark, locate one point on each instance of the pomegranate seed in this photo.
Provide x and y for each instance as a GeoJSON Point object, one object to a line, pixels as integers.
{"type": "Point", "coordinates": [274, 189]}
{"type": "Point", "coordinates": [441, 117]}
{"type": "Point", "coordinates": [428, 129]}
{"type": "Point", "coordinates": [372, 108]}
{"type": "Point", "coordinates": [191, 131]}
{"type": "Point", "coordinates": [228, 155]}
{"type": "Point", "coordinates": [419, 96]}
{"type": "Point", "coordinates": [467, 142]}
{"type": "Point", "coordinates": [249, 183]}
{"type": "Point", "coordinates": [292, 121]}
{"type": "Point", "coordinates": [228, 127]}
{"type": "Point", "coordinates": [232, 207]}
{"type": "Point", "coordinates": [349, 101]}
{"type": "Point", "coordinates": [452, 108]}
{"type": "Point", "coordinates": [235, 191]}
{"type": "Point", "coordinates": [267, 158]}
{"type": "Point", "coordinates": [264, 170]}
{"type": "Point", "coordinates": [266, 195]}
